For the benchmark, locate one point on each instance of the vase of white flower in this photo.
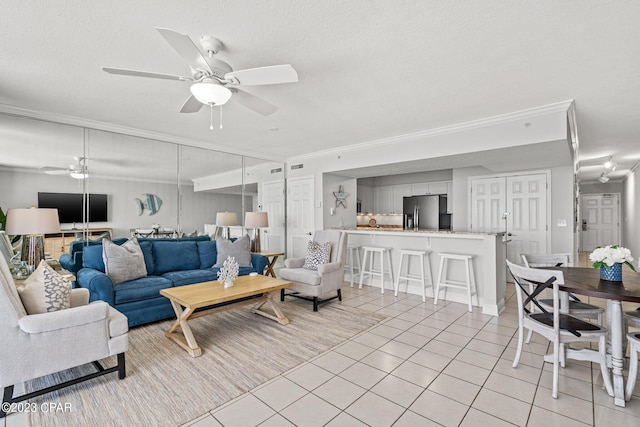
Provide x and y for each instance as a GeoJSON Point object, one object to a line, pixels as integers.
{"type": "Point", "coordinates": [609, 260]}
{"type": "Point", "coordinates": [229, 272]}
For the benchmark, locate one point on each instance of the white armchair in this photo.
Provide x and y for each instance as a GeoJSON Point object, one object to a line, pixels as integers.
{"type": "Point", "coordinates": [42, 344]}
{"type": "Point", "coordinates": [329, 277]}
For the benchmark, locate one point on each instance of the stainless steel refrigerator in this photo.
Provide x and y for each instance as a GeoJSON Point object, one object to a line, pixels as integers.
{"type": "Point", "coordinates": [426, 212]}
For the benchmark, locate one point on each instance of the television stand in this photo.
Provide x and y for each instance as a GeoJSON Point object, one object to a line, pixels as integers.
{"type": "Point", "coordinates": [57, 244]}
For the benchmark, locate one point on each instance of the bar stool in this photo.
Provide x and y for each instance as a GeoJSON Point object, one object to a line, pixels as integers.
{"type": "Point", "coordinates": [353, 265]}
{"type": "Point", "coordinates": [448, 283]}
{"type": "Point", "coordinates": [370, 251]}
{"type": "Point", "coordinates": [422, 278]}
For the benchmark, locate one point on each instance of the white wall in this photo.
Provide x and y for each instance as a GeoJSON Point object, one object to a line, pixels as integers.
{"type": "Point", "coordinates": [597, 188]}
{"type": "Point", "coordinates": [342, 217]}
{"type": "Point", "coordinates": [460, 209]}
{"type": "Point", "coordinates": [630, 213]}
{"type": "Point", "coordinates": [562, 208]}
{"type": "Point", "coordinates": [414, 178]}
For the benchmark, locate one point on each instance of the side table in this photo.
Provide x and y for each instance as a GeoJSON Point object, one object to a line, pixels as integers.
{"type": "Point", "coordinates": [272, 257]}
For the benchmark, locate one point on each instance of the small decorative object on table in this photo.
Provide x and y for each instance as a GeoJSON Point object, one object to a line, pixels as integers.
{"type": "Point", "coordinates": [229, 272]}
{"type": "Point", "coordinates": [609, 260]}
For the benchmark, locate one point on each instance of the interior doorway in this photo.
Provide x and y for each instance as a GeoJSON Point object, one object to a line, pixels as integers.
{"type": "Point", "coordinates": [600, 220]}
{"type": "Point", "coordinates": [300, 215]}
{"type": "Point", "coordinates": [516, 205]}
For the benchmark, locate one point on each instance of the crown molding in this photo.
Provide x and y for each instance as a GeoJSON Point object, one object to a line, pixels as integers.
{"type": "Point", "coordinates": [10, 110]}
{"type": "Point", "coordinates": [558, 107]}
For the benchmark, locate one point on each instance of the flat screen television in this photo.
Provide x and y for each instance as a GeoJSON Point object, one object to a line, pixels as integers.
{"type": "Point", "coordinates": [69, 206]}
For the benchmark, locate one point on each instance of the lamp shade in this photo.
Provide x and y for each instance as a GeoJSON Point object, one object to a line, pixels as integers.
{"type": "Point", "coordinates": [256, 220]}
{"type": "Point", "coordinates": [32, 221]}
{"type": "Point", "coordinates": [226, 219]}
{"type": "Point", "coordinates": [210, 92]}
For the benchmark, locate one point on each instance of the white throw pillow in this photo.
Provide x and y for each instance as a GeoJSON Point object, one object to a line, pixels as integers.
{"type": "Point", "coordinates": [317, 254]}
{"type": "Point", "coordinates": [125, 262]}
{"type": "Point", "coordinates": [45, 291]}
{"type": "Point", "coordinates": [240, 250]}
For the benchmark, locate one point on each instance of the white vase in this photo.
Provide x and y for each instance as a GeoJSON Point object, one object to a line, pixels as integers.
{"type": "Point", "coordinates": [228, 283]}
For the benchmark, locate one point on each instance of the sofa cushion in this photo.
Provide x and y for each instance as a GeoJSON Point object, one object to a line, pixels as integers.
{"type": "Point", "coordinates": [45, 291]}
{"type": "Point", "coordinates": [175, 256]}
{"type": "Point", "coordinates": [123, 262]}
{"type": "Point", "coordinates": [240, 249]}
{"type": "Point", "coordinates": [208, 253]}
{"type": "Point", "coordinates": [92, 256]}
{"type": "Point", "coordinates": [140, 289]}
{"type": "Point", "coordinates": [189, 277]}
{"type": "Point", "coordinates": [300, 275]}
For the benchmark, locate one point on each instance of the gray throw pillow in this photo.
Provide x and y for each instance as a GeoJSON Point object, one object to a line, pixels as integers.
{"type": "Point", "coordinates": [125, 262]}
{"type": "Point", "coordinates": [317, 254]}
{"type": "Point", "coordinates": [240, 250]}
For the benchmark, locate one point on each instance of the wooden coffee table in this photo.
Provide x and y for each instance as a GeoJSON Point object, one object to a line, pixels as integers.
{"type": "Point", "coordinates": [258, 289]}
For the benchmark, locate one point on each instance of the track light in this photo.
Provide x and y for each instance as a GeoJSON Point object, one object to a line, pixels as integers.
{"type": "Point", "coordinates": [610, 165]}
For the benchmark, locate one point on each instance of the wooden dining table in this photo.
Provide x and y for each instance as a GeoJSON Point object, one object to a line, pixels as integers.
{"type": "Point", "coordinates": [586, 281]}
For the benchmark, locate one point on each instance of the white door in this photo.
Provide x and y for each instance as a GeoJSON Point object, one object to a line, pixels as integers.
{"type": "Point", "coordinates": [516, 205]}
{"type": "Point", "coordinates": [600, 220]}
{"type": "Point", "coordinates": [488, 203]}
{"type": "Point", "coordinates": [300, 219]}
{"type": "Point", "coordinates": [273, 203]}
{"type": "Point", "coordinates": [527, 220]}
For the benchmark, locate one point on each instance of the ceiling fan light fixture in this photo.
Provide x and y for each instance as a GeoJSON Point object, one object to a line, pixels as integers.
{"type": "Point", "coordinates": [79, 175]}
{"type": "Point", "coordinates": [210, 92]}
{"type": "Point", "coordinates": [603, 178]}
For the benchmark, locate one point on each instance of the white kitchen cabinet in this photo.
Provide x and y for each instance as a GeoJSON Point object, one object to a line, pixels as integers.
{"type": "Point", "coordinates": [365, 196]}
{"type": "Point", "coordinates": [449, 197]}
{"type": "Point", "coordinates": [422, 188]}
{"type": "Point", "coordinates": [383, 199]}
{"type": "Point", "coordinates": [400, 191]}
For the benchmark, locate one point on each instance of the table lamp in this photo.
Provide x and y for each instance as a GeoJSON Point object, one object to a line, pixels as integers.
{"type": "Point", "coordinates": [256, 221]}
{"type": "Point", "coordinates": [32, 224]}
{"type": "Point", "coordinates": [224, 220]}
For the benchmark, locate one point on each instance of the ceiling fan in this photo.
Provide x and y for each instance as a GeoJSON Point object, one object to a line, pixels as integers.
{"type": "Point", "coordinates": [77, 170]}
{"type": "Point", "coordinates": [214, 81]}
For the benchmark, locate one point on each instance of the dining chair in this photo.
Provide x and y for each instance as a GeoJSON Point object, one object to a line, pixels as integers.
{"type": "Point", "coordinates": [560, 328]}
{"type": "Point", "coordinates": [634, 343]}
{"type": "Point", "coordinates": [576, 307]}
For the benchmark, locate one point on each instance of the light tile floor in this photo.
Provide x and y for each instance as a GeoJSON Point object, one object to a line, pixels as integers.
{"type": "Point", "coordinates": [428, 365]}
{"type": "Point", "coordinates": [425, 365]}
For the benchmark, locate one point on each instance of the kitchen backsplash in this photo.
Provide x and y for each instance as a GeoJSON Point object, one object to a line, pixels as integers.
{"type": "Point", "coordinates": [379, 220]}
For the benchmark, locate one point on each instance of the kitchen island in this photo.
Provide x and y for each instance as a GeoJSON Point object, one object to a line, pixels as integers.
{"type": "Point", "coordinates": [489, 260]}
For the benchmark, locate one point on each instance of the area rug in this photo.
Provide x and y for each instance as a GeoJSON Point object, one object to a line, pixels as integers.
{"type": "Point", "coordinates": [167, 387]}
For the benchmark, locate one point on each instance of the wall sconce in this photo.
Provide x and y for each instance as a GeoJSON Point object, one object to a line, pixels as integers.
{"type": "Point", "coordinates": [256, 221]}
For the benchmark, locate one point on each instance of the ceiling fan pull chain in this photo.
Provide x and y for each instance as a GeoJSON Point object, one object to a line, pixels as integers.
{"type": "Point", "coordinates": [211, 125]}
{"type": "Point", "coordinates": [221, 117]}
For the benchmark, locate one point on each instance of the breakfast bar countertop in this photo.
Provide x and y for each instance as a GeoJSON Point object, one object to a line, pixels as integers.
{"type": "Point", "coordinates": [425, 233]}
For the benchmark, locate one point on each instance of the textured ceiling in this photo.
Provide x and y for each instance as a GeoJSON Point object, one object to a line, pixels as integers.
{"type": "Point", "coordinates": [368, 69]}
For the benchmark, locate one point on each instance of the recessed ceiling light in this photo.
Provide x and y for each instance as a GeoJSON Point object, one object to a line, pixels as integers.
{"type": "Point", "coordinates": [274, 129]}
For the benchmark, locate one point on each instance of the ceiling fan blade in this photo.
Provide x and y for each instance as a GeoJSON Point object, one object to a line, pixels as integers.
{"type": "Point", "coordinates": [54, 171]}
{"type": "Point", "coordinates": [192, 105]}
{"type": "Point", "coordinates": [254, 103]}
{"type": "Point", "coordinates": [271, 75]}
{"type": "Point", "coordinates": [135, 73]}
{"type": "Point", "coordinates": [183, 44]}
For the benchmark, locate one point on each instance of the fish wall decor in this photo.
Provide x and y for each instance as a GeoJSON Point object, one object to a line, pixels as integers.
{"type": "Point", "coordinates": [150, 202]}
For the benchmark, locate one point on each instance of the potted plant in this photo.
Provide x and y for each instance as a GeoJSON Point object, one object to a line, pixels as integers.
{"type": "Point", "coordinates": [609, 260]}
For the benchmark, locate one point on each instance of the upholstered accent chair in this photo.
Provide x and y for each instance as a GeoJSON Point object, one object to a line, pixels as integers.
{"type": "Point", "coordinates": [329, 277]}
{"type": "Point", "coordinates": [34, 345]}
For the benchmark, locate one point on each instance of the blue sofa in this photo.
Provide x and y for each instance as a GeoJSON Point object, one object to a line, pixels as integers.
{"type": "Point", "coordinates": [169, 263]}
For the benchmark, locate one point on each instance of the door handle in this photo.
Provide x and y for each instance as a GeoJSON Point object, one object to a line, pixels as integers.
{"type": "Point", "coordinates": [510, 234]}
{"type": "Point", "coordinates": [309, 234]}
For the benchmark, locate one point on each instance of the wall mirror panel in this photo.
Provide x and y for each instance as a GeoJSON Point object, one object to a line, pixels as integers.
{"type": "Point", "coordinates": [135, 185]}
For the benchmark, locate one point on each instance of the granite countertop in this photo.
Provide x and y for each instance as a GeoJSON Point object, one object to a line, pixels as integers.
{"type": "Point", "coordinates": [401, 230]}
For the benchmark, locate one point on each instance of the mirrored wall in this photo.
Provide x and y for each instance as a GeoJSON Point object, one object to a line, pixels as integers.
{"type": "Point", "coordinates": [135, 185]}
